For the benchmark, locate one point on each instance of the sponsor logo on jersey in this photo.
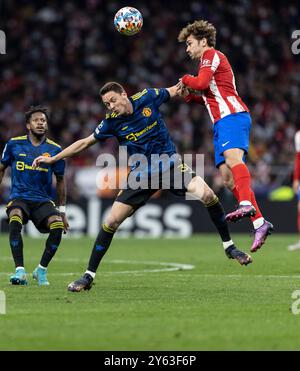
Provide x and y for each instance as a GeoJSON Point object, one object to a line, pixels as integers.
{"type": "Point", "coordinates": [206, 62]}
{"type": "Point", "coordinates": [133, 137]}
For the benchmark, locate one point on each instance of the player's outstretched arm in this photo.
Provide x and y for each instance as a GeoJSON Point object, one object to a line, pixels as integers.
{"type": "Point", "coordinates": [189, 94]}
{"type": "Point", "coordinates": [70, 151]}
{"type": "Point", "coordinates": [174, 90]}
{"type": "Point", "coordinates": [200, 82]}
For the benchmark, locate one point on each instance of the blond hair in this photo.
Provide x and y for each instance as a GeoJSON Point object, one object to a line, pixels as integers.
{"type": "Point", "coordinates": [199, 29]}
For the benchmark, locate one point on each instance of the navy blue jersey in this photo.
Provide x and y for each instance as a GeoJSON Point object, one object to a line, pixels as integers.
{"type": "Point", "coordinates": [144, 131]}
{"type": "Point", "coordinates": [27, 183]}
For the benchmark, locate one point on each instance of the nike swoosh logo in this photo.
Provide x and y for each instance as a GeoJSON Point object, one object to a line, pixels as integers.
{"type": "Point", "coordinates": [224, 144]}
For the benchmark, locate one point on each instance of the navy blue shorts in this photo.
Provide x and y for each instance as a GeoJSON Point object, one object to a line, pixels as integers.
{"type": "Point", "coordinates": [38, 212]}
{"type": "Point", "coordinates": [232, 131]}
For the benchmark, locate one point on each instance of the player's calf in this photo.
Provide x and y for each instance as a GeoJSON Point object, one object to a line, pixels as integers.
{"type": "Point", "coordinates": [52, 243]}
{"type": "Point", "coordinates": [15, 239]}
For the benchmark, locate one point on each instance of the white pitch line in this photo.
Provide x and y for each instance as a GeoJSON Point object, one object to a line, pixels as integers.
{"type": "Point", "coordinates": [170, 267]}
{"type": "Point", "coordinates": [244, 275]}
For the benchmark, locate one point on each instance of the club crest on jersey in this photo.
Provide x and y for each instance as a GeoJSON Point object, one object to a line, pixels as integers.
{"type": "Point", "coordinates": [46, 154]}
{"type": "Point", "coordinates": [147, 112]}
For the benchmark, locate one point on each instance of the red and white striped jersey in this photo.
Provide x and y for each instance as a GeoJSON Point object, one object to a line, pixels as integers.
{"type": "Point", "coordinates": [216, 84]}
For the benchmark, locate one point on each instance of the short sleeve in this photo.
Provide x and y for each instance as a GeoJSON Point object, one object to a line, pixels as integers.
{"type": "Point", "coordinates": [7, 155]}
{"type": "Point", "coordinates": [59, 168]}
{"type": "Point", "coordinates": [103, 131]}
{"type": "Point", "coordinates": [159, 96]}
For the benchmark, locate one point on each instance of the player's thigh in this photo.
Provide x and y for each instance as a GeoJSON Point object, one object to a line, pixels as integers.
{"type": "Point", "coordinates": [226, 176]}
{"type": "Point", "coordinates": [233, 156]}
{"type": "Point", "coordinates": [41, 214]}
{"type": "Point", "coordinates": [233, 137]}
{"type": "Point", "coordinates": [199, 189]}
{"type": "Point", "coordinates": [118, 213]}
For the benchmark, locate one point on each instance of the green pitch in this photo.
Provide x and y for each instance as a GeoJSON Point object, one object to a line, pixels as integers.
{"type": "Point", "coordinates": [139, 303]}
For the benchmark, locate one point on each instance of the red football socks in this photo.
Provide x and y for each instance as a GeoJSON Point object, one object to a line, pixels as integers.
{"type": "Point", "coordinates": [236, 193]}
{"type": "Point", "coordinates": [242, 182]}
{"type": "Point", "coordinates": [254, 203]}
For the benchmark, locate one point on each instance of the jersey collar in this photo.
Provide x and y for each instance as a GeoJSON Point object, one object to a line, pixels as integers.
{"type": "Point", "coordinates": [28, 139]}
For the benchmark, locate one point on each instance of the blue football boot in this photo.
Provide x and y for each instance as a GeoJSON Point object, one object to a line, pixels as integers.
{"type": "Point", "coordinates": [40, 275]}
{"type": "Point", "coordinates": [19, 278]}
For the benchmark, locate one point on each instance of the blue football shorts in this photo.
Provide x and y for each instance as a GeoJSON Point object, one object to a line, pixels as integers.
{"type": "Point", "coordinates": [232, 131]}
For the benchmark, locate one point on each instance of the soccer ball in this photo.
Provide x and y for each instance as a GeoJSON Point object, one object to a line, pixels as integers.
{"type": "Point", "coordinates": [128, 21]}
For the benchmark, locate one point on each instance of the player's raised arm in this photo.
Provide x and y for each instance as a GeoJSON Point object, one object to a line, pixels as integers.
{"type": "Point", "coordinates": [200, 82]}
{"type": "Point", "coordinates": [189, 95]}
{"type": "Point", "coordinates": [70, 151]}
{"type": "Point", "coordinates": [174, 90]}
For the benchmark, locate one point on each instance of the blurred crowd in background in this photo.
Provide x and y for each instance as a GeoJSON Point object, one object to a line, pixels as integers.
{"type": "Point", "coordinates": [59, 54]}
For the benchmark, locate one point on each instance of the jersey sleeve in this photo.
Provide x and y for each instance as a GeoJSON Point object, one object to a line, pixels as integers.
{"type": "Point", "coordinates": [208, 66]}
{"type": "Point", "coordinates": [59, 166]}
{"type": "Point", "coordinates": [194, 98]}
{"type": "Point", "coordinates": [7, 155]}
{"type": "Point", "coordinates": [159, 96]}
{"type": "Point", "coordinates": [103, 131]}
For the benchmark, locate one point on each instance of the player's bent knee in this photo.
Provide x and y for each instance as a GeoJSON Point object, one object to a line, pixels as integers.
{"type": "Point", "coordinates": [55, 223]}
{"type": "Point", "coordinates": [196, 186]}
{"type": "Point", "coordinates": [16, 212]}
{"type": "Point", "coordinates": [54, 218]}
{"type": "Point", "coordinates": [113, 223]}
{"type": "Point", "coordinates": [208, 195]}
{"type": "Point", "coordinates": [232, 161]}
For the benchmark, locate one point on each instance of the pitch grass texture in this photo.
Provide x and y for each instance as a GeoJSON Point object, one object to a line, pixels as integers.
{"type": "Point", "coordinates": [219, 305]}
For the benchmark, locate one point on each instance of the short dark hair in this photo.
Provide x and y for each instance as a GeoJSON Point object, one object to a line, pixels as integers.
{"type": "Point", "coordinates": [199, 29]}
{"type": "Point", "coordinates": [34, 109]}
{"type": "Point", "coordinates": [111, 86]}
